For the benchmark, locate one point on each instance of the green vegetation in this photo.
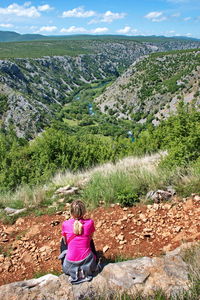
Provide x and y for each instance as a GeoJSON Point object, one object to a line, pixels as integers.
{"type": "Point", "coordinates": [80, 147]}
{"type": "Point", "coordinates": [23, 46]}
{"type": "Point", "coordinates": [42, 48]}
{"type": "Point", "coordinates": [43, 273]}
{"type": "Point", "coordinates": [163, 70]}
{"type": "Point", "coordinates": [78, 139]}
{"type": "Point", "coordinates": [156, 83]}
{"type": "Point", "coordinates": [179, 134]}
{"type": "Point", "coordinates": [116, 187]}
{"type": "Point", "coordinates": [3, 104]}
{"type": "Point", "coordinates": [37, 161]}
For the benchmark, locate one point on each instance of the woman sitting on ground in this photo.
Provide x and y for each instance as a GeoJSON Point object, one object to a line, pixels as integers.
{"type": "Point", "coordinates": [80, 259]}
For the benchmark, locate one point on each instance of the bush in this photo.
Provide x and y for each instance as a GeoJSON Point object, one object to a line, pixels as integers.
{"type": "Point", "coordinates": [127, 198]}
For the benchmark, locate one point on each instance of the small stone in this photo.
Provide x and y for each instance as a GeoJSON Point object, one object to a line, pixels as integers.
{"type": "Point", "coordinates": [188, 205]}
{"type": "Point", "coordinates": [105, 248]}
{"type": "Point", "coordinates": [149, 229]}
{"type": "Point", "coordinates": [99, 224]}
{"type": "Point", "coordinates": [20, 221]}
{"type": "Point", "coordinates": [121, 247]}
{"type": "Point", "coordinates": [167, 248]}
{"type": "Point", "coordinates": [143, 218]}
{"type": "Point", "coordinates": [196, 198]}
{"type": "Point", "coordinates": [62, 189]}
{"type": "Point", "coordinates": [118, 222]}
{"type": "Point", "coordinates": [122, 242]}
{"type": "Point", "coordinates": [1, 258]}
{"type": "Point", "coordinates": [5, 240]}
{"type": "Point", "coordinates": [130, 216]}
{"type": "Point", "coordinates": [125, 218]}
{"type": "Point", "coordinates": [44, 249]}
{"type": "Point", "coordinates": [9, 230]}
{"type": "Point", "coordinates": [155, 206]}
{"type": "Point", "coordinates": [120, 237]}
{"type": "Point", "coordinates": [178, 228]}
{"type": "Point", "coordinates": [59, 213]}
{"type": "Point", "coordinates": [62, 200]}
{"type": "Point", "coordinates": [149, 206]}
{"type": "Point", "coordinates": [167, 206]}
{"type": "Point", "coordinates": [55, 223]}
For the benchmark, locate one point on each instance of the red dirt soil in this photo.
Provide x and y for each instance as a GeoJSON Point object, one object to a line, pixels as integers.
{"type": "Point", "coordinates": [31, 246]}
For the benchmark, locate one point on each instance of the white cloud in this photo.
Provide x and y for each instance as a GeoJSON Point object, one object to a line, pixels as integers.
{"type": "Point", "coordinates": [188, 34]}
{"type": "Point", "coordinates": [6, 25]}
{"type": "Point", "coordinates": [33, 27]}
{"type": "Point", "coordinates": [107, 17]}
{"type": "Point", "coordinates": [125, 30]}
{"type": "Point", "coordinates": [187, 19]}
{"type": "Point", "coordinates": [45, 7]}
{"type": "Point", "coordinates": [176, 15]}
{"type": "Point", "coordinates": [47, 29]}
{"type": "Point", "coordinates": [78, 12]}
{"type": "Point", "coordinates": [74, 29]}
{"type": "Point", "coordinates": [99, 30]}
{"type": "Point", "coordinates": [169, 33]}
{"type": "Point", "coordinates": [159, 19]}
{"type": "Point", "coordinates": [20, 10]}
{"type": "Point", "coordinates": [156, 16]}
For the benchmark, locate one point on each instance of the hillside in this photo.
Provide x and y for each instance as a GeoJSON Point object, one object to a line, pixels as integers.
{"type": "Point", "coordinates": [151, 88]}
{"type": "Point", "coordinates": [34, 87]}
{"type": "Point", "coordinates": [12, 36]}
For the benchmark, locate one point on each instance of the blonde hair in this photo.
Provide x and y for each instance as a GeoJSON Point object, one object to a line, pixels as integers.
{"type": "Point", "coordinates": [77, 211]}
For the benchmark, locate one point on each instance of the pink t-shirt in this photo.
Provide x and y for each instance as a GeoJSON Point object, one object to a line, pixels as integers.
{"type": "Point", "coordinates": [79, 246]}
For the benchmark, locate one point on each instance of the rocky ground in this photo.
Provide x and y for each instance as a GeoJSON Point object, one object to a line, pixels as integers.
{"type": "Point", "coordinates": [30, 247]}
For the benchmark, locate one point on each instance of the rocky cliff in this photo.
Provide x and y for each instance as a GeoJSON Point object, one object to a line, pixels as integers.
{"type": "Point", "coordinates": [152, 87]}
{"type": "Point", "coordinates": [36, 88]}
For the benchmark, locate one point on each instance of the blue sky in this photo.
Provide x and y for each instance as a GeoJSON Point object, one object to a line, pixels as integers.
{"type": "Point", "coordinates": [144, 17]}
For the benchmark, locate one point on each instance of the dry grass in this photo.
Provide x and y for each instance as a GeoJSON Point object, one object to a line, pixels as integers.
{"type": "Point", "coordinates": [136, 175]}
{"type": "Point", "coordinates": [126, 165]}
{"type": "Point", "coordinates": [24, 196]}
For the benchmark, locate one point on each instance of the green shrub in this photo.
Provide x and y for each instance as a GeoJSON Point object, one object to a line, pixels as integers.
{"type": "Point", "coordinates": [127, 198]}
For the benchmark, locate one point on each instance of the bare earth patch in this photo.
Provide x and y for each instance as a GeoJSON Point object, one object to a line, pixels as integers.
{"type": "Point", "coordinates": [31, 245]}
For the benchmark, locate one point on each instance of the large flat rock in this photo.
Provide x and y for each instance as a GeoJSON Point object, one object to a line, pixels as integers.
{"type": "Point", "coordinates": [144, 275]}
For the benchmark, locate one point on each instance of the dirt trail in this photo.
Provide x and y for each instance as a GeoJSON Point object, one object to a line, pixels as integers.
{"type": "Point", "coordinates": [31, 246]}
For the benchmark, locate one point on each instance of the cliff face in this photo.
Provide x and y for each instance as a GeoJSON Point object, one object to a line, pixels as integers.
{"type": "Point", "coordinates": [36, 88]}
{"type": "Point", "coordinates": [152, 86]}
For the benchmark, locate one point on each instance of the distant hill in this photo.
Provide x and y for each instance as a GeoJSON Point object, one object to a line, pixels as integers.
{"type": "Point", "coordinates": [11, 36]}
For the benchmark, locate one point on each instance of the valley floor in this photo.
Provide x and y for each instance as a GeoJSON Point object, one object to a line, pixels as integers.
{"type": "Point", "coordinates": [30, 247]}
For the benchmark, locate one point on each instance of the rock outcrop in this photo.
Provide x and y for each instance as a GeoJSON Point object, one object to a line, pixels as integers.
{"type": "Point", "coordinates": [142, 275]}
